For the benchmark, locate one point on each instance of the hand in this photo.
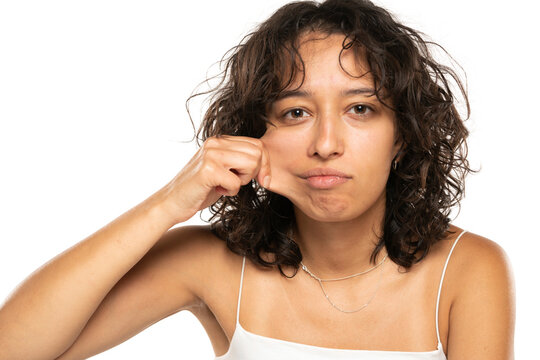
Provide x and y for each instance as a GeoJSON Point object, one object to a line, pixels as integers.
{"type": "Point", "coordinates": [220, 167]}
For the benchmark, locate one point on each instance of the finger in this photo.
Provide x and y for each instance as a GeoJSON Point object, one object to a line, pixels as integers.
{"type": "Point", "coordinates": [247, 139]}
{"type": "Point", "coordinates": [228, 184]}
{"type": "Point", "coordinates": [249, 146]}
{"type": "Point", "coordinates": [237, 140]}
{"type": "Point", "coordinates": [264, 172]}
{"type": "Point", "coordinates": [243, 165]}
{"type": "Point", "coordinates": [239, 143]}
{"type": "Point", "coordinates": [264, 177]}
{"type": "Point", "coordinates": [256, 148]}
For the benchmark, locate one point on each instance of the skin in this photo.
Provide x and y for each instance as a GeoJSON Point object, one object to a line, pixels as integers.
{"type": "Point", "coordinates": [96, 294]}
{"type": "Point", "coordinates": [355, 134]}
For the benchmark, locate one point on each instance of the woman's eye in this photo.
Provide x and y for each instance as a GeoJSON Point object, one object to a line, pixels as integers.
{"type": "Point", "coordinates": [295, 114]}
{"type": "Point", "coordinates": [360, 109]}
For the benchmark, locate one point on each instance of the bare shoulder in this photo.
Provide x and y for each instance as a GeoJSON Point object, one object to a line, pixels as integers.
{"type": "Point", "coordinates": [196, 257]}
{"type": "Point", "coordinates": [478, 258]}
{"type": "Point", "coordinates": [482, 313]}
{"type": "Point", "coordinates": [191, 240]}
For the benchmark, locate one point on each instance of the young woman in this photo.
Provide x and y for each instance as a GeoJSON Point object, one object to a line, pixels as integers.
{"type": "Point", "coordinates": [332, 155]}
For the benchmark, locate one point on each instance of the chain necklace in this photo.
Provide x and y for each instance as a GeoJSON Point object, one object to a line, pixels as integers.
{"type": "Point", "coordinates": [304, 267]}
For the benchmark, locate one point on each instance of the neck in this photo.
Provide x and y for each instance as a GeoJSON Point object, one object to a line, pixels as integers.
{"type": "Point", "coordinates": [336, 249]}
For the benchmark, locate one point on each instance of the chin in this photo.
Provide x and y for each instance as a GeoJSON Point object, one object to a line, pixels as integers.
{"type": "Point", "coordinates": [338, 208]}
{"type": "Point", "coordinates": [329, 212]}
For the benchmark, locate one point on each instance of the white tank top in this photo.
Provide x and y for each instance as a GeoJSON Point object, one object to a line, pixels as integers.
{"type": "Point", "coordinates": [249, 346]}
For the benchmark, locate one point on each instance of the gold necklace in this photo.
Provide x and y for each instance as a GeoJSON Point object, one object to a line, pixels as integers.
{"type": "Point", "coordinates": [304, 267]}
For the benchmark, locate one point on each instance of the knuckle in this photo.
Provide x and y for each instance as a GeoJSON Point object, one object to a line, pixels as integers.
{"type": "Point", "coordinates": [257, 141]}
{"type": "Point", "coordinates": [256, 153]}
{"type": "Point", "coordinates": [259, 152]}
{"type": "Point", "coordinates": [209, 167]}
{"type": "Point", "coordinates": [255, 162]}
{"type": "Point", "coordinates": [259, 144]}
{"type": "Point", "coordinates": [208, 152]}
{"type": "Point", "coordinates": [211, 141]}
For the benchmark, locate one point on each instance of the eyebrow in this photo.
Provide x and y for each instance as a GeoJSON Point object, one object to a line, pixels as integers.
{"type": "Point", "coordinates": [304, 93]}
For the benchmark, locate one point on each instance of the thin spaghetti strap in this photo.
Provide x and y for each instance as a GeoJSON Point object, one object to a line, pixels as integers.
{"type": "Point", "coordinates": [240, 290]}
{"type": "Point", "coordinates": [440, 285]}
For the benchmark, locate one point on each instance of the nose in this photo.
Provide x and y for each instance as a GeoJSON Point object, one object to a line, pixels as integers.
{"type": "Point", "coordinates": [327, 136]}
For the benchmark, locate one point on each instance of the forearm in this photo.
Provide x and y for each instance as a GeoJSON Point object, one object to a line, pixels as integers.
{"type": "Point", "coordinates": [46, 313]}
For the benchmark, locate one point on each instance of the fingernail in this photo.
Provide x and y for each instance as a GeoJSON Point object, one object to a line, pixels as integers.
{"type": "Point", "coordinates": [266, 181]}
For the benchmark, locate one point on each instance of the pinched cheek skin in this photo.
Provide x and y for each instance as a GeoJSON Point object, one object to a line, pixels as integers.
{"type": "Point", "coordinates": [286, 150]}
{"type": "Point", "coordinates": [277, 140]}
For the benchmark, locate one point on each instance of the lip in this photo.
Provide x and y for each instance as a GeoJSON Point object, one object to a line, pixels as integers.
{"type": "Point", "coordinates": [323, 172]}
{"type": "Point", "coordinates": [324, 178]}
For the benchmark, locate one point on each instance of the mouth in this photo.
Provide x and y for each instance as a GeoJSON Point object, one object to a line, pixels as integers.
{"type": "Point", "coordinates": [324, 178]}
{"type": "Point", "coordinates": [326, 181]}
{"type": "Point", "coordinates": [323, 172]}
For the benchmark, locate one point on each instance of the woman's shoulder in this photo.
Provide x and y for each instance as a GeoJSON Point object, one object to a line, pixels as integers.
{"type": "Point", "coordinates": [199, 243]}
{"type": "Point", "coordinates": [480, 279]}
{"type": "Point", "coordinates": [474, 254]}
{"type": "Point", "coordinates": [475, 262]}
{"type": "Point", "coordinates": [480, 274]}
{"type": "Point", "coordinates": [201, 257]}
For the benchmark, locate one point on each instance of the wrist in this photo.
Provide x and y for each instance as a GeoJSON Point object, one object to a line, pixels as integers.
{"type": "Point", "coordinates": [160, 205]}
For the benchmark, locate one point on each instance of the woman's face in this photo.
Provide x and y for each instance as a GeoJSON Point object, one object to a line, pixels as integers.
{"type": "Point", "coordinates": [330, 122]}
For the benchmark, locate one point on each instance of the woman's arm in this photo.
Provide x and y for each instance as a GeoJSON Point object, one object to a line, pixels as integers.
{"type": "Point", "coordinates": [482, 316]}
{"type": "Point", "coordinates": [168, 279]}
{"type": "Point", "coordinates": [51, 309]}
{"type": "Point", "coordinates": [47, 312]}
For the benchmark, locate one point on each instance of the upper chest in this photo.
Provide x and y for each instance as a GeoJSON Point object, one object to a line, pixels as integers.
{"type": "Point", "coordinates": [400, 315]}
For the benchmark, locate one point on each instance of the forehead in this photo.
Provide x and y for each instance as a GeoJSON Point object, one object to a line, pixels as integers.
{"type": "Point", "coordinates": [327, 57]}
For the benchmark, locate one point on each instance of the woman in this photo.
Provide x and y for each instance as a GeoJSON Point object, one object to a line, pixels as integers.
{"type": "Point", "coordinates": [332, 151]}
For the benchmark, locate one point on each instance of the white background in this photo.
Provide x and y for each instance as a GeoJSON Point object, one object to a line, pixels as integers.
{"type": "Point", "coordinates": [92, 121]}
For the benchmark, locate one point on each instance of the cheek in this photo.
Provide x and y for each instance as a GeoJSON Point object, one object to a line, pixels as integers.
{"type": "Point", "coordinates": [370, 163]}
{"type": "Point", "coordinates": [373, 147]}
{"type": "Point", "coordinates": [283, 146]}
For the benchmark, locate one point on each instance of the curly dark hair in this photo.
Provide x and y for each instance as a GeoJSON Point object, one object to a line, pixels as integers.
{"type": "Point", "coordinates": [432, 165]}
